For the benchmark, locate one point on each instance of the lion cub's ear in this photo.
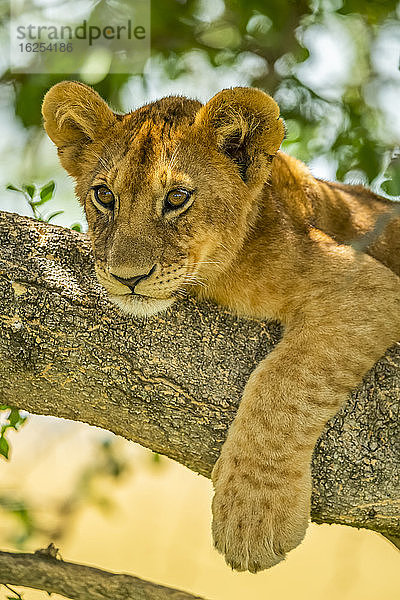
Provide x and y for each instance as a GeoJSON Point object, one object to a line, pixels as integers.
{"type": "Point", "coordinates": [74, 115]}
{"type": "Point", "coordinates": [244, 124]}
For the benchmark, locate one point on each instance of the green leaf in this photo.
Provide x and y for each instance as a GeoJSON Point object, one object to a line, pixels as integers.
{"type": "Point", "coordinates": [4, 447]}
{"type": "Point", "coordinates": [54, 215]}
{"type": "Point", "coordinates": [77, 227]}
{"type": "Point", "coordinates": [46, 193]}
{"type": "Point", "coordinates": [391, 187]}
{"type": "Point", "coordinates": [29, 189]}
{"type": "Point", "coordinates": [14, 417]}
{"type": "Point", "coordinates": [13, 188]}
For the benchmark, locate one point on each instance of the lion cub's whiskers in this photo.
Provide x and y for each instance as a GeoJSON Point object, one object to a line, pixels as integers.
{"type": "Point", "coordinates": [218, 263]}
{"type": "Point", "coordinates": [192, 280]}
{"type": "Point", "coordinates": [229, 250]}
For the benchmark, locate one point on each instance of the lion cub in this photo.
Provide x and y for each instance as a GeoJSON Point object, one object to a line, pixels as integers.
{"type": "Point", "coordinates": [181, 196]}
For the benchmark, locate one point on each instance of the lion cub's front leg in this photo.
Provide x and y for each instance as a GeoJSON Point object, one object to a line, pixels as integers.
{"type": "Point", "coordinates": [262, 479]}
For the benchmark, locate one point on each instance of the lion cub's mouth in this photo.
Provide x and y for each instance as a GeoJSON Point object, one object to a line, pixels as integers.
{"type": "Point", "coordinates": [139, 305]}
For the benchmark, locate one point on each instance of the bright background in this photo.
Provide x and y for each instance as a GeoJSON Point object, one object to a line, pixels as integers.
{"type": "Point", "coordinates": [154, 519]}
{"type": "Point", "coordinates": [333, 66]}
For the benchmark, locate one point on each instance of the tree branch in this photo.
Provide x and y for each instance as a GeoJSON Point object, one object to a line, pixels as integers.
{"type": "Point", "coordinates": [173, 384]}
{"type": "Point", "coordinates": [79, 582]}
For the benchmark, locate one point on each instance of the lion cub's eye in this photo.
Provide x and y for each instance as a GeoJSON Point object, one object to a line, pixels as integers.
{"type": "Point", "coordinates": [104, 196]}
{"type": "Point", "coordinates": [176, 198]}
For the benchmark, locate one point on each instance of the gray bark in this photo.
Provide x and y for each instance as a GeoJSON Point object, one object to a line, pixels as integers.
{"type": "Point", "coordinates": [174, 383]}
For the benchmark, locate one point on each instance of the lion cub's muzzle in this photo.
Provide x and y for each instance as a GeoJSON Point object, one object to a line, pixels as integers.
{"type": "Point", "coordinates": [132, 282]}
{"type": "Point", "coordinates": [152, 281]}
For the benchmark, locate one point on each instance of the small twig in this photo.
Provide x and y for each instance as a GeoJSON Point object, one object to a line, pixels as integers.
{"type": "Point", "coordinates": [50, 552]}
{"type": "Point", "coordinates": [17, 595]}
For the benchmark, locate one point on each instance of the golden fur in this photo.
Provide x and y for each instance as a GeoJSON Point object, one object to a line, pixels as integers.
{"type": "Point", "coordinates": [258, 234]}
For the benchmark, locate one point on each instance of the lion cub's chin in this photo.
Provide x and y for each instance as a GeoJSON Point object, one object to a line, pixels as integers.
{"type": "Point", "coordinates": [140, 306]}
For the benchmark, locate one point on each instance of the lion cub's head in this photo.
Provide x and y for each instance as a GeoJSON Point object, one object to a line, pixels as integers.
{"type": "Point", "coordinates": [168, 189]}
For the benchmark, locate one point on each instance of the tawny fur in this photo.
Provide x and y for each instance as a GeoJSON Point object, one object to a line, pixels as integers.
{"type": "Point", "coordinates": [262, 237]}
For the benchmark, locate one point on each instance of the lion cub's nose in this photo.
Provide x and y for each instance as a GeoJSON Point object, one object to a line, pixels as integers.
{"type": "Point", "coordinates": [132, 282]}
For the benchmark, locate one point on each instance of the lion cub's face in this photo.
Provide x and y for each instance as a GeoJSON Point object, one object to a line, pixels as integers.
{"type": "Point", "coordinates": [167, 189]}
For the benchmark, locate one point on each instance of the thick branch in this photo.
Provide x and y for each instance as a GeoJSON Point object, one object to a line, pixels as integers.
{"type": "Point", "coordinates": [173, 383]}
{"type": "Point", "coordinates": [79, 582]}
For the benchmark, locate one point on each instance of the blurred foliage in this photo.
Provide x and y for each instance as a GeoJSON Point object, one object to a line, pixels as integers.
{"type": "Point", "coordinates": [92, 486]}
{"type": "Point", "coordinates": [346, 127]}
{"type": "Point", "coordinates": [23, 517]}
